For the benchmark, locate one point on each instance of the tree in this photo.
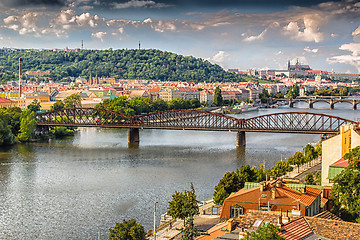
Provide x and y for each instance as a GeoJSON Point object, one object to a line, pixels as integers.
{"type": "Point", "coordinates": [309, 179]}
{"type": "Point", "coordinates": [318, 177]}
{"type": "Point", "coordinates": [297, 159]}
{"type": "Point", "coordinates": [190, 232]}
{"type": "Point", "coordinates": [183, 204]}
{"type": "Point", "coordinates": [73, 101]}
{"type": "Point", "coordinates": [280, 168]}
{"type": "Point", "coordinates": [345, 193]}
{"type": "Point", "coordinates": [34, 106]}
{"type": "Point", "coordinates": [6, 135]}
{"type": "Point", "coordinates": [27, 126]}
{"type": "Point", "coordinates": [229, 183]}
{"type": "Point", "coordinates": [58, 105]}
{"type": "Point", "coordinates": [265, 232]}
{"type": "Point", "coordinates": [218, 99]}
{"type": "Point", "coordinates": [293, 92]}
{"type": "Point", "coordinates": [127, 230]}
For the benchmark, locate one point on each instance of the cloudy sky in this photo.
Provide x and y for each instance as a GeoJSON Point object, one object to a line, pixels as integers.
{"type": "Point", "coordinates": [240, 34]}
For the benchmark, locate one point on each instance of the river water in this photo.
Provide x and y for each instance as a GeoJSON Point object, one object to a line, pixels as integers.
{"type": "Point", "coordinates": [77, 188]}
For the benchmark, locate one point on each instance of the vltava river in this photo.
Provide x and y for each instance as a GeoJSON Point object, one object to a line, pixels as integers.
{"type": "Point", "coordinates": [77, 188]}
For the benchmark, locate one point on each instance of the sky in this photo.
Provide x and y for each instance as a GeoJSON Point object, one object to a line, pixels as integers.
{"type": "Point", "coordinates": [257, 34]}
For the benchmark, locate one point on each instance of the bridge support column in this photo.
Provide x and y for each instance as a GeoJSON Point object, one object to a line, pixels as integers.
{"type": "Point", "coordinates": [311, 104]}
{"type": "Point", "coordinates": [133, 135]}
{"type": "Point", "coordinates": [354, 105]}
{"type": "Point", "coordinates": [291, 104]}
{"type": "Point", "coordinates": [240, 139]}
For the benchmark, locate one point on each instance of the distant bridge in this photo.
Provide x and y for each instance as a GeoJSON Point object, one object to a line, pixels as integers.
{"type": "Point", "coordinates": [288, 122]}
{"type": "Point", "coordinates": [311, 100]}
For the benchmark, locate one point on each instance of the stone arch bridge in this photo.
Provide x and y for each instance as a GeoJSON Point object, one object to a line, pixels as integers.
{"type": "Point", "coordinates": [312, 100]}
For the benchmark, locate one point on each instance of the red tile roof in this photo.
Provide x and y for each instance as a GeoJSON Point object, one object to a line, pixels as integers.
{"type": "Point", "coordinates": [340, 163]}
{"type": "Point", "coordinates": [296, 229]}
{"type": "Point", "coordinates": [5, 100]}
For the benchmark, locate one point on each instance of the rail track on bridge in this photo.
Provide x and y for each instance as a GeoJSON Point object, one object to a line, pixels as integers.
{"type": "Point", "coordinates": [287, 122]}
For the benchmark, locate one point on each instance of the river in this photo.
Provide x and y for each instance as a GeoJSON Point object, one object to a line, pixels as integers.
{"type": "Point", "coordinates": [78, 187]}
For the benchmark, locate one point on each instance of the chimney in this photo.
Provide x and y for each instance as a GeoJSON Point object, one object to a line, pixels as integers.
{"type": "Point", "coordinates": [273, 193]}
{"type": "Point", "coordinates": [280, 223]}
{"type": "Point", "coordinates": [229, 224]}
{"type": "Point", "coordinates": [262, 187]}
{"type": "Point", "coordinates": [20, 76]}
{"type": "Point", "coordinates": [303, 190]}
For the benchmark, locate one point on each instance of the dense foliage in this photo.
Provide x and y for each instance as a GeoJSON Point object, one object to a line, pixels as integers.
{"type": "Point", "coordinates": [183, 204]}
{"type": "Point", "coordinates": [293, 92]}
{"type": "Point", "coordinates": [235, 180]}
{"type": "Point", "coordinates": [147, 64]}
{"type": "Point", "coordinates": [345, 193]}
{"type": "Point", "coordinates": [127, 230]}
{"type": "Point", "coordinates": [332, 92]}
{"type": "Point", "coordinates": [140, 105]}
{"type": "Point", "coordinates": [265, 232]}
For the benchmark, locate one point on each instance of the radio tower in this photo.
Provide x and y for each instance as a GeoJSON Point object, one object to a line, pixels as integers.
{"type": "Point", "coordinates": [82, 44]}
{"type": "Point", "coordinates": [139, 45]}
{"type": "Point", "coordinates": [20, 76]}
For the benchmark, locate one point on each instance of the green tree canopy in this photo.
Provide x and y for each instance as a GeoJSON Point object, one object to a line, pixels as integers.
{"type": "Point", "coordinates": [34, 106]}
{"type": "Point", "coordinates": [218, 99]}
{"type": "Point", "coordinates": [58, 105]}
{"type": "Point", "coordinates": [27, 126]}
{"type": "Point", "coordinates": [293, 92]}
{"type": "Point", "coordinates": [345, 193]}
{"type": "Point", "coordinates": [266, 232]}
{"type": "Point", "coordinates": [73, 101]}
{"type": "Point", "coordinates": [127, 230]}
{"type": "Point", "coordinates": [183, 204]}
{"type": "Point", "coordinates": [6, 135]}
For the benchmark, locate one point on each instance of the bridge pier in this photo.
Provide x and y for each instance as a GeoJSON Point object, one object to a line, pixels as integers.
{"type": "Point", "coordinates": [311, 104]}
{"type": "Point", "coordinates": [354, 105]}
{"type": "Point", "coordinates": [133, 135]}
{"type": "Point", "coordinates": [240, 139]}
{"type": "Point", "coordinates": [291, 104]}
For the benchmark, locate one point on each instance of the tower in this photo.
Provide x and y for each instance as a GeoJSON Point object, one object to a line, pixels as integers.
{"type": "Point", "coordinates": [82, 44]}
{"type": "Point", "coordinates": [139, 45]}
{"type": "Point", "coordinates": [20, 76]}
{"type": "Point", "coordinates": [289, 65]}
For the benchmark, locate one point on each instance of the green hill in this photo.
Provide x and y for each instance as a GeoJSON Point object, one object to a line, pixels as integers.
{"type": "Point", "coordinates": [148, 64]}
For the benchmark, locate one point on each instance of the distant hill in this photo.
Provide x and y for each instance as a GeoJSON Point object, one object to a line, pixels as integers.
{"type": "Point", "coordinates": [147, 64]}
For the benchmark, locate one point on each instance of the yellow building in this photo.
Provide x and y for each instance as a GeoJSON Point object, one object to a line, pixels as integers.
{"type": "Point", "coordinates": [333, 149]}
{"type": "Point", "coordinates": [24, 102]}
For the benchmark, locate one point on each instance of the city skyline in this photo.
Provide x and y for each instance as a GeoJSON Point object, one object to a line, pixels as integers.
{"type": "Point", "coordinates": [246, 34]}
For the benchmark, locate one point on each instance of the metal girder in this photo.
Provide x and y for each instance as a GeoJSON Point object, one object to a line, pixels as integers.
{"type": "Point", "coordinates": [293, 122]}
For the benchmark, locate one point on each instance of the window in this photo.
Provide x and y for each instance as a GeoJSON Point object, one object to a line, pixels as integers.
{"type": "Point", "coordinates": [236, 211]}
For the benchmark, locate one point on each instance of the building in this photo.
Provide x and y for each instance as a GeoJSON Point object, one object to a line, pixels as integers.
{"type": "Point", "coordinates": [334, 148]}
{"type": "Point", "coordinates": [7, 103]}
{"type": "Point", "coordinates": [272, 196]}
{"type": "Point", "coordinates": [168, 94]}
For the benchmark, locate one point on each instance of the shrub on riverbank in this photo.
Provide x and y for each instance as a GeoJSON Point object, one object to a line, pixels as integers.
{"type": "Point", "coordinates": [60, 132]}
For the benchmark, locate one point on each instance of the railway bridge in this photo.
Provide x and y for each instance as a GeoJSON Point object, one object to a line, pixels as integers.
{"type": "Point", "coordinates": [287, 122]}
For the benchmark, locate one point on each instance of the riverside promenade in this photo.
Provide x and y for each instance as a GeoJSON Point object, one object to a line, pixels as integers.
{"type": "Point", "coordinates": [310, 167]}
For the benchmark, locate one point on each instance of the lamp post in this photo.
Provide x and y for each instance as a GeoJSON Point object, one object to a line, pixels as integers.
{"type": "Point", "coordinates": [155, 220]}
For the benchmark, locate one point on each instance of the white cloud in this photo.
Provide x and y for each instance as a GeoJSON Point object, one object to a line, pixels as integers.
{"type": "Point", "coordinates": [309, 50]}
{"type": "Point", "coordinates": [220, 58]}
{"type": "Point", "coordinates": [262, 34]}
{"type": "Point", "coordinates": [310, 32]}
{"type": "Point", "coordinates": [163, 26]}
{"type": "Point", "coordinates": [356, 32]}
{"type": "Point", "coordinates": [353, 59]}
{"type": "Point", "coordinates": [99, 35]}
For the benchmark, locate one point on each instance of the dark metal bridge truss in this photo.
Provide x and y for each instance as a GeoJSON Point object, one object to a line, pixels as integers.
{"type": "Point", "coordinates": [288, 122]}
